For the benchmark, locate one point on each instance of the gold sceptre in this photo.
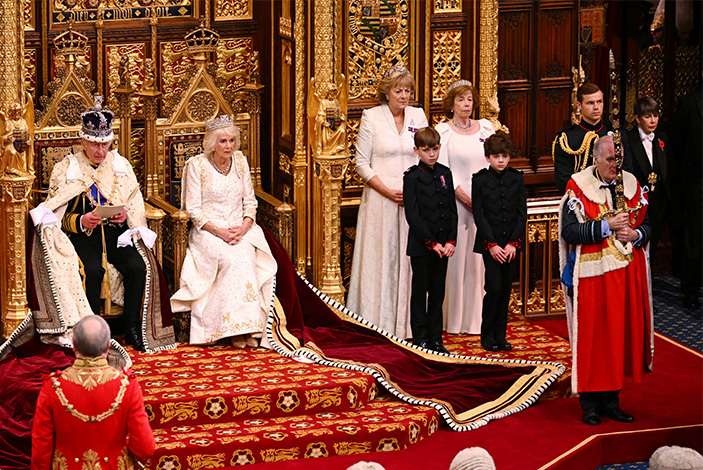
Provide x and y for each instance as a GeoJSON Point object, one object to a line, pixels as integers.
{"type": "Point", "coordinates": [620, 201]}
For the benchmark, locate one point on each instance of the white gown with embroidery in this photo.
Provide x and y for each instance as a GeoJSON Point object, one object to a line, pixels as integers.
{"type": "Point", "coordinates": [227, 288]}
{"type": "Point", "coordinates": [463, 298]}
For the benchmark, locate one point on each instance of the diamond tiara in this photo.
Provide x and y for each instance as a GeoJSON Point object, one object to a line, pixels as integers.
{"type": "Point", "coordinates": [458, 83]}
{"type": "Point", "coordinates": [396, 69]}
{"type": "Point", "coordinates": [220, 122]}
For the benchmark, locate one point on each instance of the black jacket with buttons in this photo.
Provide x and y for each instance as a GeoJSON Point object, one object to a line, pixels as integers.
{"type": "Point", "coordinates": [430, 207]}
{"type": "Point", "coordinates": [500, 208]}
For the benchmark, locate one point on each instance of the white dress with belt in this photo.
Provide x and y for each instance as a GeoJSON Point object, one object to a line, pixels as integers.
{"type": "Point", "coordinates": [227, 288]}
{"type": "Point", "coordinates": [463, 298]}
{"type": "Point", "coordinates": [379, 289]}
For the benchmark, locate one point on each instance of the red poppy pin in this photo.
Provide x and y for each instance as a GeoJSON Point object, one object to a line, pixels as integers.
{"type": "Point", "coordinates": [661, 144]}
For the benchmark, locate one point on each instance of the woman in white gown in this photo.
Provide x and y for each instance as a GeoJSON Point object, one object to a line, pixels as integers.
{"type": "Point", "coordinates": [228, 272]}
{"type": "Point", "coordinates": [379, 289]}
{"type": "Point", "coordinates": [462, 151]}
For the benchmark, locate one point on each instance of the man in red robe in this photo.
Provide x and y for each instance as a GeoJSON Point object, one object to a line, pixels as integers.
{"type": "Point", "coordinates": [90, 415]}
{"type": "Point", "coordinates": [606, 279]}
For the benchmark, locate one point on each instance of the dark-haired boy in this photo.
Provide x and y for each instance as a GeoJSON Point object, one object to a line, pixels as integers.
{"type": "Point", "coordinates": [430, 209]}
{"type": "Point", "coordinates": [649, 165]}
{"type": "Point", "coordinates": [500, 214]}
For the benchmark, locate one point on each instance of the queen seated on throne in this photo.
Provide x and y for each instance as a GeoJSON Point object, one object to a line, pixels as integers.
{"type": "Point", "coordinates": [227, 279]}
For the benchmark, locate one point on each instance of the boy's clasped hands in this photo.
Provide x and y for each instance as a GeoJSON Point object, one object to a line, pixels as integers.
{"type": "Point", "coordinates": [446, 250]}
{"type": "Point", "coordinates": [503, 255]}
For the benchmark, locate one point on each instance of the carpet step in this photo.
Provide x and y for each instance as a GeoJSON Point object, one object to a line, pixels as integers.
{"type": "Point", "coordinates": [221, 384]}
{"type": "Point", "coordinates": [381, 425]}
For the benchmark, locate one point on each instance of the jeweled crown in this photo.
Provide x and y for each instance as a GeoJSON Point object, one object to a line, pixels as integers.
{"type": "Point", "coordinates": [219, 122]}
{"type": "Point", "coordinates": [396, 69]}
{"type": "Point", "coordinates": [458, 83]}
{"type": "Point", "coordinates": [97, 123]}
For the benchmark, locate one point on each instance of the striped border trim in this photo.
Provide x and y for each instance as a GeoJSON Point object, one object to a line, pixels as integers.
{"type": "Point", "coordinates": [145, 303]}
{"type": "Point", "coordinates": [15, 334]}
{"type": "Point", "coordinates": [52, 283]}
{"type": "Point", "coordinates": [123, 353]}
{"type": "Point", "coordinates": [455, 422]}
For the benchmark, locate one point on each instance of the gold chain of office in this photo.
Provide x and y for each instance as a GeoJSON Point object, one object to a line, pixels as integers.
{"type": "Point", "coordinates": [83, 417]}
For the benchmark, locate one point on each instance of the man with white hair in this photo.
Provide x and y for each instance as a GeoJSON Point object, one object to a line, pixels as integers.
{"type": "Point", "coordinates": [606, 282]}
{"type": "Point", "coordinates": [90, 415]}
{"type": "Point", "coordinates": [95, 195]}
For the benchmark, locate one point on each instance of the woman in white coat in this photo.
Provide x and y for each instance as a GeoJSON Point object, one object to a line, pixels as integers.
{"type": "Point", "coordinates": [228, 272]}
{"type": "Point", "coordinates": [379, 289]}
{"type": "Point", "coordinates": [462, 151]}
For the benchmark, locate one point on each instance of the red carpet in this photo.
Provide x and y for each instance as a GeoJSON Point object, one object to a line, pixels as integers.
{"type": "Point", "coordinates": [669, 398]}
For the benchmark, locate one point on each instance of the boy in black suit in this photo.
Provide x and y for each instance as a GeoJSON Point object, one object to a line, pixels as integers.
{"type": "Point", "coordinates": [500, 214]}
{"type": "Point", "coordinates": [648, 147]}
{"type": "Point", "coordinates": [430, 208]}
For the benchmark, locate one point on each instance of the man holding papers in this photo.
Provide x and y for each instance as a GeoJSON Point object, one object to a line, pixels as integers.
{"type": "Point", "coordinates": [95, 196]}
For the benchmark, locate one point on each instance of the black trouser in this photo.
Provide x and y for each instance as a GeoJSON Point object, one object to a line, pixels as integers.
{"type": "Point", "coordinates": [429, 273]}
{"type": "Point", "coordinates": [600, 400]}
{"type": "Point", "coordinates": [494, 315]}
{"type": "Point", "coordinates": [126, 260]}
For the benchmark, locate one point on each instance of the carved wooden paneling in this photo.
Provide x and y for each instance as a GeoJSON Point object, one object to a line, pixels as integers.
{"type": "Point", "coordinates": [136, 54]}
{"type": "Point", "coordinates": [515, 112]}
{"type": "Point", "coordinates": [552, 108]}
{"type": "Point", "coordinates": [446, 61]}
{"type": "Point", "coordinates": [514, 59]}
{"type": "Point", "coordinates": [555, 43]}
{"type": "Point", "coordinates": [536, 49]}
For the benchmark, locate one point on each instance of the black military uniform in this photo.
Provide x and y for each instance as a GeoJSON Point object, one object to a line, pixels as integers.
{"type": "Point", "coordinates": [500, 213]}
{"type": "Point", "coordinates": [430, 208]}
{"type": "Point", "coordinates": [127, 260]}
{"type": "Point", "coordinates": [653, 176]}
{"type": "Point", "coordinates": [572, 150]}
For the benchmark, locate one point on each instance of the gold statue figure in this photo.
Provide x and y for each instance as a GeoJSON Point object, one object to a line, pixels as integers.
{"type": "Point", "coordinates": [148, 84]}
{"type": "Point", "coordinates": [327, 124]}
{"type": "Point", "coordinates": [17, 139]}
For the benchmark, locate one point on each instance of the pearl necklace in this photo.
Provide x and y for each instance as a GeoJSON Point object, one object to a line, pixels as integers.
{"type": "Point", "coordinates": [462, 127]}
{"type": "Point", "coordinates": [222, 172]}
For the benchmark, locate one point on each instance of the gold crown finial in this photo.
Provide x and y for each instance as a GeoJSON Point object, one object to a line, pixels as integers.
{"type": "Point", "coordinates": [201, 39]}
{"type": "Point", "coordinates": [71, 41]}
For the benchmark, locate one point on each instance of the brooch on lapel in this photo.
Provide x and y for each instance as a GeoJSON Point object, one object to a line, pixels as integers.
{"type": "Point", "coordinates": [652, 178]}
{"type": "Point", "coordinates": [443, 181]}
{"type": "Point", "coordinates": [661, 144]}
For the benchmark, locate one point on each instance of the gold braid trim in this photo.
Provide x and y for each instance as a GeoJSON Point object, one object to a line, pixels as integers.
{"type": "Point", "coordinates": [83, 417]}
{"type": "Point", "coordinates": [581, 159]}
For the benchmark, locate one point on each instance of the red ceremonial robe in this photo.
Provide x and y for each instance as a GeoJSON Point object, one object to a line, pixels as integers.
{"type": "Point", "coordinates": [610, 315]}
{"type": "Point", "coordinates": [89, 416]}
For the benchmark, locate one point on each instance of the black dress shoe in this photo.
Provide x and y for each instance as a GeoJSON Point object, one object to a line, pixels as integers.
{"type": "Point", "coordinates": [591, 417]}
{"type": "Point", "coordinates": [504, 346]}
{"type": "Point", "coordinates": [134, 338]}
{"type": "Point", "coordinates": [616, 414]}
{"type": "Point", "coordinates": [439, 347]}
{"type": "Point", "coordinates": [422, 343]}
{"type": "Point", "coordinates": [490, 347]}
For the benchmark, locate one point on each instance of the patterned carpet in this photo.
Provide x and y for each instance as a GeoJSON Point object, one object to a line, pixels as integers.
{"type": "Point", "coordinates": [672, 319]}
{"type": "Point", "coordinates": [221, 406]}
{"type": "Point", "coordinates": [626, 466]}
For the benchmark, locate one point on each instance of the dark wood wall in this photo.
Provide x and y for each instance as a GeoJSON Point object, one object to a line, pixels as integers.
{"type": "Point", "coordinates": [537, 46]}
